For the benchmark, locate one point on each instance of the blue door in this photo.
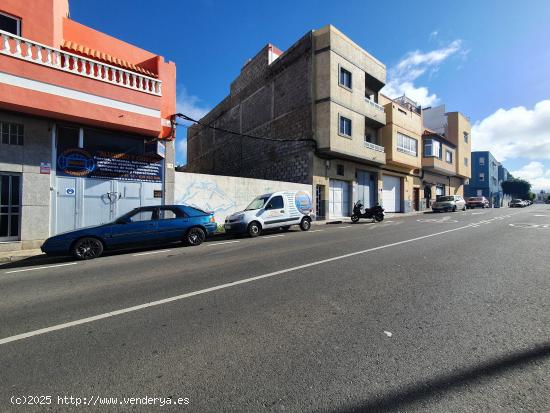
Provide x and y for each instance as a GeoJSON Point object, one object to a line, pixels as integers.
{"type": "Point", "coordinates": [137, 228]}
{"type": "Point", "coordinates": [172, 224]}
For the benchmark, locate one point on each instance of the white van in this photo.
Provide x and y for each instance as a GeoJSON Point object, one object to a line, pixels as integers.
{"type": "Point", "coordinates": [275, 210]}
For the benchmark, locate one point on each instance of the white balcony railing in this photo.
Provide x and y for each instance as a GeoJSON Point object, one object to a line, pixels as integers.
{"type": "Point", "coordinates": [34, 52]}
{"type": "Point", "coordinates": [374, 147]}
{"type": "Point", "coordinates": [374, 104]}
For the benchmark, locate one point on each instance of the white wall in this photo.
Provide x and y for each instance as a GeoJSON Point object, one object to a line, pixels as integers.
{"type": "Point", "coordinates": [225, 194]}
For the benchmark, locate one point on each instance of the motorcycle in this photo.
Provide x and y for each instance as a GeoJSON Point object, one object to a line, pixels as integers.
{"type": "Point", "coordinates": [375, 213]}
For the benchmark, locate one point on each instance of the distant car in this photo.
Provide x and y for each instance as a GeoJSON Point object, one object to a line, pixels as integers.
{"type": "Point", "coordinates": [449, 203]}
{"type": "Point", "coordinates": [477, 202]}
{"type": "Point", "coordinates": [140, 227]}
{"type": "Point", "coordinates": [516, 203]}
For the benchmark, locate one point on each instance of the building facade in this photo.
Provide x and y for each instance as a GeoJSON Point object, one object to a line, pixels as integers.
{"type": "Point", "coordinates": [487, 177]}
{"type": "Point", "coordinates": [446, 159]}
{"type": "Point", "coordinates": [84, 124]}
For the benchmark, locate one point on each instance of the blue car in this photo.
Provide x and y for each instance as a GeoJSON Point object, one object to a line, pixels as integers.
{"type": "Point", "coordinates": [140, 227]}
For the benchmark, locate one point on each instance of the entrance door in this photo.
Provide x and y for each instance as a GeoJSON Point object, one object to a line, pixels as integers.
{"type": "Point", "coordinates": [366, 188]}
{"type": "Point", "coordinates": [66, 217]}
{"type": "Point", "coordinates": [439, 191]}
{"type": "Point", "coordinates": [98, 202]}
{"type": "Point", "coordinates": [339, 199]}
{"type": "Point", "coordinates": [416, 199]}
{"type": "Point", "coordinates": [10, 207]}
{"type": "Point", "coordinates": [391, 193]}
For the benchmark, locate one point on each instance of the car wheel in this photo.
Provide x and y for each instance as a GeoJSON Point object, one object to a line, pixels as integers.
{"type": "Point", "coordinates": [87, 248]}
{"type": "Point", "coordinates": [454, 208]}
{"type": "Point", "coordinates": [195, 236]}
{"type": "Point", "coordinates": [254, 229]}
{"type": "Point", "coordinates": [464, 208]}
{"type": "Point", "coordinates": [305, 225]}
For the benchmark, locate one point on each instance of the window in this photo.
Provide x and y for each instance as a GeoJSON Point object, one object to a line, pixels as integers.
{"type": "Point", "coordinates": [481, 176]}
{"type": "Point", "coordinates": [10, 24]}
{"type": "Point", "coordinates": [143, 215]}
{"type": "Point", "coordinates": [345, 126]}
{"type": "Point", "coordinates": [170, 213]}
{"type": "Point", "coordinates": [11, 133]}
{"type": "Point", "coordinates": [10, 207]}
{"type": "Point", "coordinates": [401, 111]}
{"type": "Point", "coordinates": [432, 148]}
{"type": "Point", "coordinates": [481, 161]}
{"type": "Point", "coordinates": [448, 156]}
{"type": "Point", "coordinates": [407, 145]}
{"type": "Point", "coordinates": [465, 161]}
{"type": "Point", "coordinates": [480, 192]}
{"type": "Point", "coordinates": [466, 137]}
{"type": "Point", "coordinates": [345, 78]}
{"type": "Point", "coordinates": [340, 170]}
{"type": "Point", "coordinates": [276, 202]}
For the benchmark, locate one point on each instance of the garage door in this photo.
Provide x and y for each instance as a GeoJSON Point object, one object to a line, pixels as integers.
{"type": "Point", "coordinates": [391, 194]}
{"type": "Point", "coordinates": [339, 199]}
{"type": "Point", "coordinates": [366, 188]}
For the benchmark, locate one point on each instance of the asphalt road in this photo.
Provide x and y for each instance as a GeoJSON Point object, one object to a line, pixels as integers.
{"type": "Point", "coordinates": [434, 312]}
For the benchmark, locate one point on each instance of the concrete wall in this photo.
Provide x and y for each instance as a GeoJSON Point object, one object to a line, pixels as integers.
{"type": "Point", "coordinates": [25, 161]}
{"type": "Point", "coordinates": [225, 195]}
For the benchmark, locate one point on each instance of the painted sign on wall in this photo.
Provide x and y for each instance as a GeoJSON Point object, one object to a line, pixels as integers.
{"type": "Point", "coordinates": [109, 165]}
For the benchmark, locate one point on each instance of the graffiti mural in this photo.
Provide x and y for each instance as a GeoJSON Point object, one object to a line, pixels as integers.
{"type": "Point", "coordinates": [225, 195]}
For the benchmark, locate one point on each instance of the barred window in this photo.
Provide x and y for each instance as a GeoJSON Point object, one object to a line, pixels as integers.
{"type": "Point", "coordinates": [11, 133]}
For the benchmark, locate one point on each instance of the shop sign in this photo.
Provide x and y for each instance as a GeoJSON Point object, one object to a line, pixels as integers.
{"type": "Point", "coordinates": [45, 168]}
{"type": "Point", "coordinates": [102, 164]}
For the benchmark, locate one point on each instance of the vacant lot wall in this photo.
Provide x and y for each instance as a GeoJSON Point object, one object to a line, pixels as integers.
{"type": "Point", "coordinates": [225, 194]}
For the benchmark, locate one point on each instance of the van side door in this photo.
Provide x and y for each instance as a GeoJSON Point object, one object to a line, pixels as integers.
{"type": "Point", "coordinates": [275, 213]}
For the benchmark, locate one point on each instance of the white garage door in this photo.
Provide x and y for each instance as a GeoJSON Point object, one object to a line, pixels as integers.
{"type": "Point", "coordinates": [392, 193]}
{"type": "Point", "coordinates": [338, 199]}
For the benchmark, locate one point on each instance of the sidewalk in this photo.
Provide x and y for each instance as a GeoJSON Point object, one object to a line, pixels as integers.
{"type": "Point", "coordinates": [11, 256]}
{"type": "Point", "coordinates": [387, 215]}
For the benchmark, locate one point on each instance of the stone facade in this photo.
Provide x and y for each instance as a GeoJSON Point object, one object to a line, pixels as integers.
{"type": "Point", "coordinates": [266, 100]}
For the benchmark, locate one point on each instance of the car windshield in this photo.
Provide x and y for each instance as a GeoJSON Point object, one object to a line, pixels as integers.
{"type": "Point", "coordinates": [257, 203]}
{"type": "Point", "coordinates": [476, 199]}
{"type": "Point", "coordinates": [446, 199]}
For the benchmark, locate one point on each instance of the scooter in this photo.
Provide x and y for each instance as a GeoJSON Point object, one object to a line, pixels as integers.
{"type": "Point", "coordinates": [376, 213]}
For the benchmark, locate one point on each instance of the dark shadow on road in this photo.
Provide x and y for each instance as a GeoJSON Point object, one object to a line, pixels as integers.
{"type": "Point", "coordinates": [399, 399]}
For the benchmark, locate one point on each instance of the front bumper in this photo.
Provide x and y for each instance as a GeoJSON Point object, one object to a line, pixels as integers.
{"type": "Point", "coordinates": [235, 228]}
{"type": "Point", "coordinates": [56, 247]}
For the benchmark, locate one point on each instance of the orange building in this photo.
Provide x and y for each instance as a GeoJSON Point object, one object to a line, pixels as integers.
{"type": "Point", "coordinates": [85, 124]}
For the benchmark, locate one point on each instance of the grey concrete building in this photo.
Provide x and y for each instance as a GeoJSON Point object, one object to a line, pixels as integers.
{"type": "Point", "coordinates": [321, 97]}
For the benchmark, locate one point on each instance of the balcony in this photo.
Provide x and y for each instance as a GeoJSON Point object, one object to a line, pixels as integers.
{"type": "Point", "coordinates": [28, 50]}
{"type": "Point", "coordinates": [373, 146]}
{"type": "Point", "coordinates": [374, 114]}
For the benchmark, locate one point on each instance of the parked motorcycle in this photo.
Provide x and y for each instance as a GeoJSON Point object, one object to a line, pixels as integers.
{"type": "Point", "coordinates": [376, 213]}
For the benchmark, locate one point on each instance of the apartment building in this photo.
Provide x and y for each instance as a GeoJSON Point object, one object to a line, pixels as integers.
{"type": "Point", "coordinates": [319, 102]}
{"type": "Point", "coordinates": [84, 124]}
{"type": "Point", "coordinates": [401, 139]}
{"type": "Point", "coordinates": [486, 178]}
{"type": "Point", "coordinates": [446, 158]}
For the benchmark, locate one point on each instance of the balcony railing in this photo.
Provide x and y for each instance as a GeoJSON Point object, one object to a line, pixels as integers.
{"type": "Point", "coordinates": [34, 52]}
{"type": "Point", "coordinates": [374, 104]}
{"type": "Point", "coordinates": [374, 147]}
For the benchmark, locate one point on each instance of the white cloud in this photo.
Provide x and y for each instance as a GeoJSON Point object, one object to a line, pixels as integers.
{"type": "Point", "coordinates": [536, 174]}
{"type": "Point", "coordinates": [515, 133]}
{"type": "Point", "coordinates": [415, 64]}
{"type": "Point", "coordinates": [193, 107]}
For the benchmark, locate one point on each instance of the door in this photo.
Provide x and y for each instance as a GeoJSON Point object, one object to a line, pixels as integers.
{"type": "Point", "coordinates": [275, 213]}
{"type": "Point", "coordinates": [391, 193]}
{"type": "Point", "coordinates": [366, 188]}
{"type": "Point", "coordinates": [137, 228]}
{"type": "Point", "coordinates": [172, 224]}
{"type": "Point", "coordinates": [98, 202]}
{"type": "Point", "coordinates": [66, 216]}
{"type": "Point", "coordinates": [10, 207]}
{"type": "Point", "coordinates": [439, 191]}
{"type": "Point", "coordinates": [416, 199]}
{"type": "Point", "coordinates": [338, 199]}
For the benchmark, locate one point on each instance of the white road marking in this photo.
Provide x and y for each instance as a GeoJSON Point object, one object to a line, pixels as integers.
{"type": "Point", "coordinates": [348, 226]}
{"type": "Point", "coordinates": [41, 268]}
{"type": "Point", "coordinates": [216, 288]}
{"type": "Point", "coordinates": [149, 253]}
{"type": "Point", "coordinates": [540, 215]}
{"type": "Point", "coordinates": [478, 213]}
{"type": "Point", "coordinates": [316, 230]}
{"type": "Point", "coordinates": [273, 236]}
{"type": "Point", "coordinates": [223, 243]}
{"type": "Point", "coordinates": [388, 221]}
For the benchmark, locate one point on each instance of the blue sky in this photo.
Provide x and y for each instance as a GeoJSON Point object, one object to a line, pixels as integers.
{"type": "Point", "coordinates": [487, 59]}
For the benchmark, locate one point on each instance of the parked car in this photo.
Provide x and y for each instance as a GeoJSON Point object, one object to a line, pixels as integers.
{"type": "Point", "coordinates": [477, 202]}
{"type": "Point", "coordinates": [516, 203]}
{"type": "Point", "coordinates": [449, 203]}
{"type": "Point", "coordinates": [273, 210]}
{"type": "Point", "coordinates": [140, 227]}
